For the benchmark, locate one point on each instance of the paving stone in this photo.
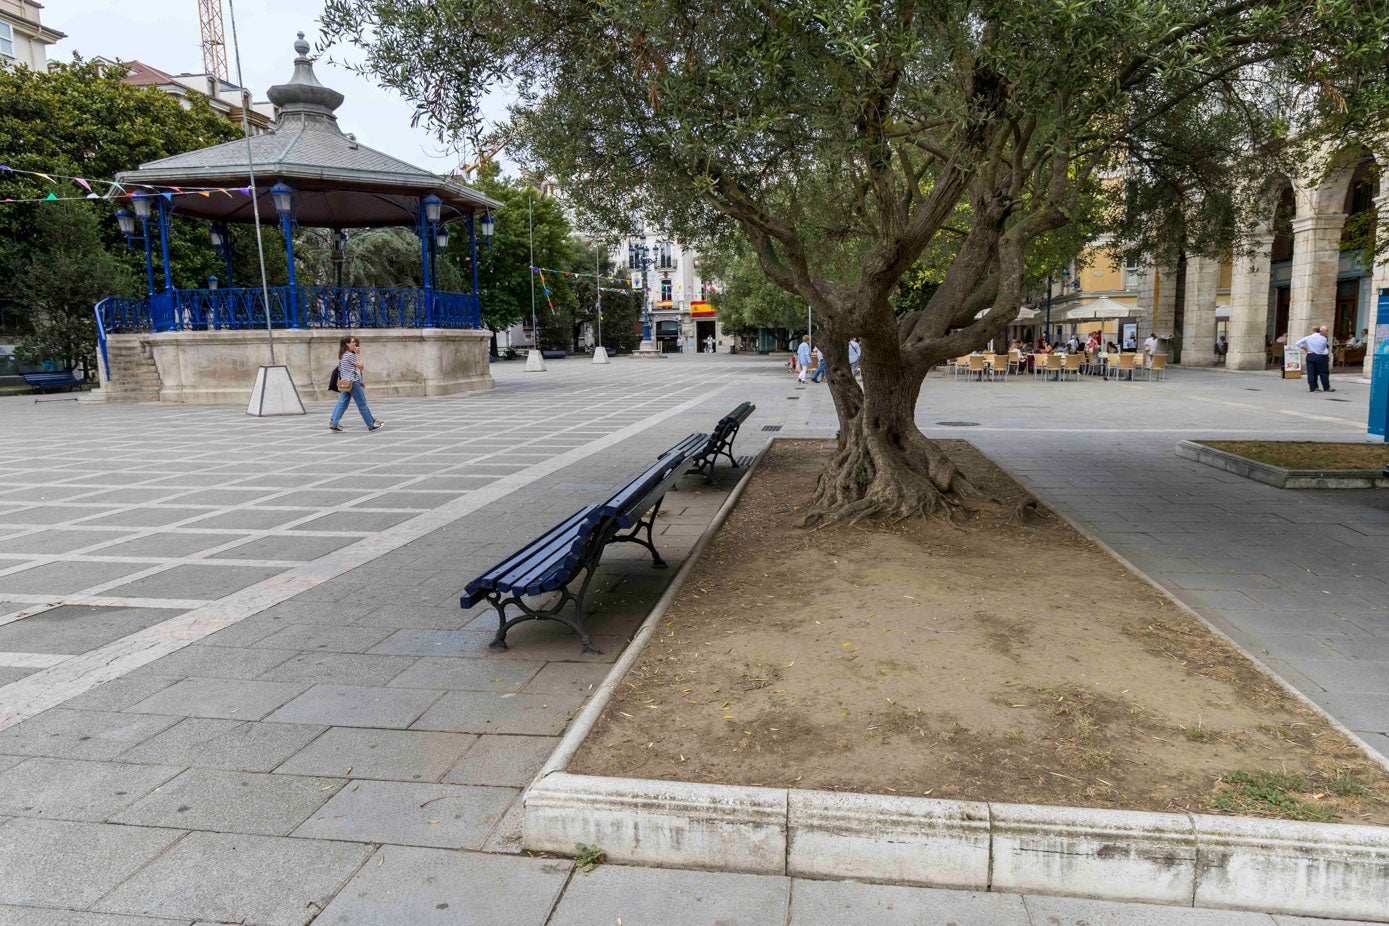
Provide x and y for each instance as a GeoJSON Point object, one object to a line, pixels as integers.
{"type": "Point", "coordinates": [827, 903]}
{"type": "Point", "coordinates": [398, 755]}
{"type": "Point", "coordinates": [39, 916]}
{"type": "Point", "coordinates": [65, 578]}
{"type": "Point", "coordinates": [1367, 712]}
{"type": "Point", "coordinates": [80, 734]}
{"type": "Point", "coordinates": [440, 887]}
{"type": "Point", "coordinates": [239, 878]}
{"type": "Point", "coordinates": [215, 662]}
{"type": "Point", "coordinates": [67, 789]}
{"type": "Point", "coordinates": [299, 549]}
{"type": "Point", "coordinates": [8, 762]}
{"type": "Point", "coordinates": [253, 519]}
{"type": "Point", "coordinates": [361, 521]}
{"type": "Point", "coordinates": [57, 541]}
{"type": "Point", "coordinates": [232, 802]}
{"type": "Point", "coordinates": [411, 814]}
{"type": "Point", "coordinates": [502, 759]}
{"type": "Point", "coordinates": [572, 677]}
{"type": "Point", "coordinates": [525, 642]}
{"type": "Point", "coordinates": [74, 629]}
{"type": "Point", "coordinates": [234, 699]}
{"type": "Point", "coordinates": [228, 744]}
{"type": "Point", "coordinates": [339, 669]}
{"type": "Point", "coordinates": [479, 712]}
{"type": "Point", "coordinates": [357, 706]}
{"type": "Point", "coordinates": [10, 675]}
{"type": "Point", "coordinates": [168, 545]}
{"type": "Point", "coordinates": [668, 897]}
{"type": "Point", "coordinates": [1065, 911]}
{"type": "Point", "coordinates": [468, 674]}
{"type": "Point", "coordinates": [312, 637]}
{"type": "Point", "coordinates": [149, 517]}
{"type": "Point", "coordinates": [58, 863]}
{"type": "Point", "coordinates": [209, 582]}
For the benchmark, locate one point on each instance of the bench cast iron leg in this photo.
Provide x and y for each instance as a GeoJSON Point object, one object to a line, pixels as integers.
{"type": "Point", "coordinates": [552, 612]}
{"type": "Point", "coordinates": [647, 522]}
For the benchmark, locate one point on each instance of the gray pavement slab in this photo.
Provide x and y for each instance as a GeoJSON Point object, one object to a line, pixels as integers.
{"type": "Point", "coordinates": [393, 755]}
{"type": "Point", "coordinates": [80, 734]}
{"type": "Point", "coordinates": [161, 545]}
{"type": "Point", "coordinates": [571, 677]}
{"type": "Point", "coordinates": [670, 897]}
{"type": "Point", "coordinates": [1066, 911]}
{"type": "Point", "coordinates": [57, 541]}
{"type": "Point", "coordinates": [40, 916]}
{"type": "Point", "coordinates": [76, 629]}
{"type": "Point", "coordinates": [238, 878]}
{"type": "Point", "coordinates": [828, 903]}
{"type": "Point", "coordinates": [216, 662]}
{"type": "Point", "coordinates": [503, 759]}
{"type": "Point", "coordinates": [235, 745]}
{"type": "Point", "coordinates": [198, 581]}
{"type": "Point", "coordinates": [229, 698]}
{"type": "Point", "coordinates": [357, 706]}
{"type": "Point", "coordinates": [67, 789]}
{"type": "Point", "coordinates": [65, 578]}
{"type": "Point", "coordinates": [299, 549]}
{"type": "Point", "coordinates": [460, 673]}
{"type": "Point", "coordinates": [66, 864]}
{"type": "Point", "coordinates": [411, 814]}
{"type": "Point", "coordinates": [339, 669]}
{"type": "Point", "coordinates": [440, 887]}
{"type": "Point", "coordinates": [315, 637]}
{"type": "Point", "coordinates": [482, 712]}
{"type": "Point", "coordinates": [232, 802]}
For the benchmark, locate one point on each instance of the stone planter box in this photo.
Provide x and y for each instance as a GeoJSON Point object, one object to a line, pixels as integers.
{"type": "Point", "coordinates": [1273, 866]}
{"type": "Point", "coordinates": [1280, 477]}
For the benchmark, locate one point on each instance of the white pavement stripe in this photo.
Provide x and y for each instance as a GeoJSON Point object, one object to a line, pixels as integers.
{"type": "Point", "coordinates": [31, 660]}
{"type": "Point", "coordinates": [105, 601]}
{"type": "Point", "coordinates": [50, 687]}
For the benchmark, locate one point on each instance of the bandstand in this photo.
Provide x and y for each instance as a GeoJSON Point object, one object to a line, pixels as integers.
{"type": "Point", "coordinates": [206, 345]}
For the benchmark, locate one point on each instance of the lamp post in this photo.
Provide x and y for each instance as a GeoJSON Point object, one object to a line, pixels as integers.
{"type": "Point", "coordinates": [283, 198]}
{"type": "Point", "coordinates": [126, 220]}
{"type": "Point", "coordinates": [339, 255]}
{"type": "Point", "coordinates": [430, 206]}
{"type": "Point", "coordinates": [221, 243]}
{"type": "Point", "coordinates": [639, 258]}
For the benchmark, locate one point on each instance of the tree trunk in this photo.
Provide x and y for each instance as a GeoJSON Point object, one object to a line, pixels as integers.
{"type": "Point", "coordinates": [885, 468]}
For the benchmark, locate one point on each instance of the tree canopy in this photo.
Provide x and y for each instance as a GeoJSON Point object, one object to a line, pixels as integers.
{"type": "Point", "coordinates": [840, 139]}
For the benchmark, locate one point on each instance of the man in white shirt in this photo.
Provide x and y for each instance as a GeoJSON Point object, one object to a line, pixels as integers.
{"type": "Point", "coordinates": [1361, 339]}
{"type": "Point", "coordinates": [1318, 348]}
{"type": "Point", "coordinates": [1149, 346]}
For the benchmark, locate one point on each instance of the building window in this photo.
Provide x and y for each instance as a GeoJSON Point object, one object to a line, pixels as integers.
{"type": "Point", "coordinates": [6, 42]}
{"type": "Point", "coordinates": [665, 290]}
{"type": "Point", "coordinates": [665, 260]}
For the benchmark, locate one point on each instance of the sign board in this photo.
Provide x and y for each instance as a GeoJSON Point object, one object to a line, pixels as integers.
{"type": "Point", "coordinates": [1292, 362]}
{"type": "Point", "coordinates": [1130, 338]}
{"type": "Point", "coordinates": [1378, 429]}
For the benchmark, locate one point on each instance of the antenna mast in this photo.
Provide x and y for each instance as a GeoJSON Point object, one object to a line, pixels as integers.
{"type": "Point", "coordinates": [214, 44]}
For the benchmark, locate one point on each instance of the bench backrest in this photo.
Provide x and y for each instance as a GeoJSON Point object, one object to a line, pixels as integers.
{"type": "Point", "coordinates": [548, 557]}
{"type": "Point", "coordinates": [727, 424]}
{"type": "Point", "coordinates": [50, 377]}
{"type": "Point", "coordinates": [631, 501]}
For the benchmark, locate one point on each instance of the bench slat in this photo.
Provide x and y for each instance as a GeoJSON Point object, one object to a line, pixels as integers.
{"type": "Point", "coordinates": [539, 554]}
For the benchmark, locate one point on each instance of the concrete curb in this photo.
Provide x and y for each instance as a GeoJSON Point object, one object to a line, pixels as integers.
{"type": "Point", "coordinates": [1279, 477]}
{"type": "Point", "coordinates": [1272, 866]}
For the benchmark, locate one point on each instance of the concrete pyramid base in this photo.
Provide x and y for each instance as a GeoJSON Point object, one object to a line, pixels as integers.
{"type": "Point", "coordinates": [600, 355]}
{"type": "Point", "coordinates": [535, 363]}
{"type": "Point", "coordinates": [274, 393]}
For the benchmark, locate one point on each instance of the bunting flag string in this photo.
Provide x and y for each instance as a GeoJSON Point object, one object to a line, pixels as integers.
{"type": "Point", "coordinates": [114, 190]}
{"type": "Point", "coordinates": [545, 286]}
{"type": "Point", "coordinates": [573, 273]}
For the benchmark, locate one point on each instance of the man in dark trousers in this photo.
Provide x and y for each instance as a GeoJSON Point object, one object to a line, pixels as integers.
{"type": "Point", "coordinates": [1318, 348]}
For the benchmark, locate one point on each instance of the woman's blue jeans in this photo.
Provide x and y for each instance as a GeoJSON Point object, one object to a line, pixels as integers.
{"type": "Point", "coordinates": [360, 395]}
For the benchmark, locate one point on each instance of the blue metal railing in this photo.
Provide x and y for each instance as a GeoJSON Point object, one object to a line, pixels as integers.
{"type": "Point", "coordinates": [290, 307]}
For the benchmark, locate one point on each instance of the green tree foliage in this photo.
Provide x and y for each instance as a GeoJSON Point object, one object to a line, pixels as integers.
{"type": "Point", "coordinates": [61, 281]}
{"type": "Point", "coordinates": [80, 120]}
{"type": "Point", "coordinates": [621, 306]}
{"type": "Point", "coordinates": [390, 258]}
{"type": "Point", "coordinates": [747, 300]}
{"type": "Point", "coordinates": [504, 267]}
{"type": "Point", "coordinates": [841, 137]}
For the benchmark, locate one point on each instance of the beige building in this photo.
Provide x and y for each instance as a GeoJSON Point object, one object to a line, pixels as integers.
{"type": "Point", "coordinates": [23, 39]}
{"type": "Point", "coordinates": [223, 96]}
{"type": "Point", "coordinates": [677, 295]}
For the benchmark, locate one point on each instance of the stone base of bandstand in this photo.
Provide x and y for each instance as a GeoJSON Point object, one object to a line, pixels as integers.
{"type": "Point", "coordinates": [203, 367]}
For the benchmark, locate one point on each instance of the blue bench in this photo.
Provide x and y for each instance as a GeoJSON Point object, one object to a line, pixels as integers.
{"type": "Point", "coordinates": [720, 442]}
{"type": "Point", "coordinates": [567, 554]}
{"type": "Point", "coordinates": [45, 381]}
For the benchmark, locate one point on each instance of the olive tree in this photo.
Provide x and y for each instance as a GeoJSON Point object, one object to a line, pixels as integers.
{"type": "Point", "coordinates": [842, 139]}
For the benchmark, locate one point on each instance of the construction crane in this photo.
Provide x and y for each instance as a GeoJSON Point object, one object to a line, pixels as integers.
{"type": "Point", "coordinates": [484, 158]}
{"type": "Point", "coordinates": [214, 44]}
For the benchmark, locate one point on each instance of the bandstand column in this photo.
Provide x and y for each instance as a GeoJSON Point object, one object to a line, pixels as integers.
{"type": "Point", "coordinates": [1198, 326]}
{"type": "Point", "coordinates": [1379, 282]}
{"type": "Point", "coordinates": [1316, 262]}
{"type": "Point", "coordinates": [1249, 286]}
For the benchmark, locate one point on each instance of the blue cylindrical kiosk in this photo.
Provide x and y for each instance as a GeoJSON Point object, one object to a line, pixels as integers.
{"type": "Point", "coordinates": [1379, 372]}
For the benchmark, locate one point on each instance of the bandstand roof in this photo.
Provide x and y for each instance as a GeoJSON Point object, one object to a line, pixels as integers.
{"type": "Point", "coordinates": [338, 182]}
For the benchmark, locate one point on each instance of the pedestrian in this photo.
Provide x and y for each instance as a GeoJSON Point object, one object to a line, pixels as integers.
{"type": "Point", "coordinates": [803, 358]}
{"type": "Point", "coordinates": [350, 368]}
{"type": "Point", "coordinates": [709, 344]}
{"type": "Point", "coordinates": [855, 357]}
{"type": "Point", "coordinates": [1317, 346]}
{"type": "Point", "coordinates": [817, 359]}
{"type": "Point", "coordinates": [680, 344]}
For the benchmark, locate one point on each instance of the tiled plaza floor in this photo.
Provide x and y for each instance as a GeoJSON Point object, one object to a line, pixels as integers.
{"type": "Point", "coordinates": [236, 686]}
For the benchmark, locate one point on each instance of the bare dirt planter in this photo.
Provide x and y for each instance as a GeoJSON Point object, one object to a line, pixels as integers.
{"type": "Point", "coordinates": [1274, 866]}
{"type": "Point", "coordinates": [1280, 477]}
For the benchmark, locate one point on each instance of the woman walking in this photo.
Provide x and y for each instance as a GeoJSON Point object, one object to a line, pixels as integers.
{"type": "Point", "coordinates": [350, 371]}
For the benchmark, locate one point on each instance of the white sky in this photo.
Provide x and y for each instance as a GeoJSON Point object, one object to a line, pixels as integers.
{"type": "Point", "coordinates": [164, 34]}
